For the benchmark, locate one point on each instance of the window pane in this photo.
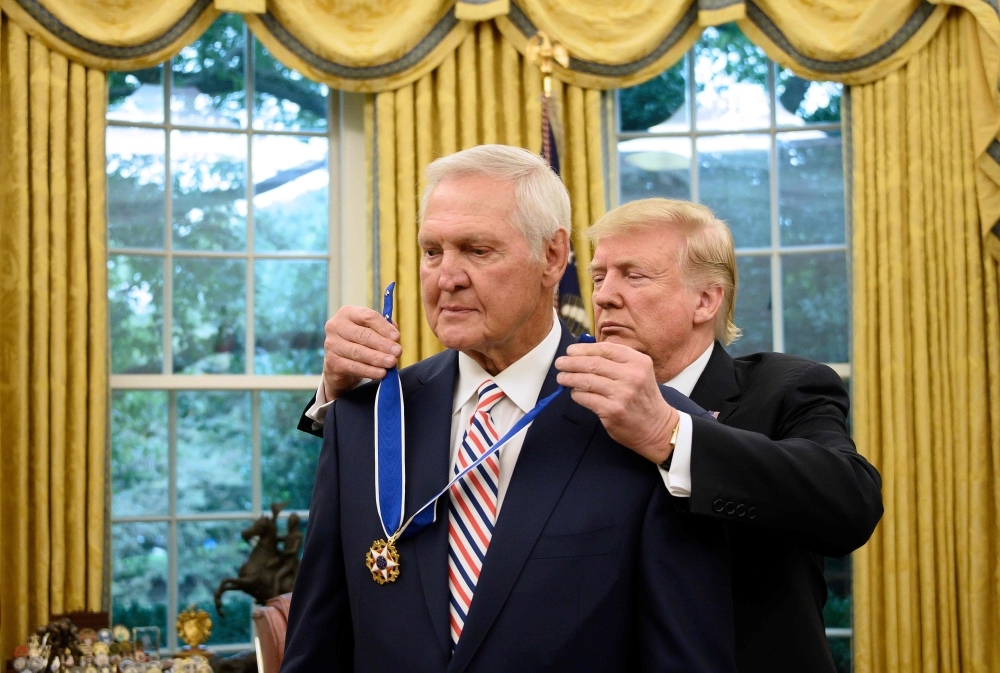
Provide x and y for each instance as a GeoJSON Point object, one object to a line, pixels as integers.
{"type": "Point", "coordinates": [136, 179]}
{"type": "Point", "coordinates": [139, 580]}
{"type": "Point", "coordinates": [801, 100]}
{"type": "Point", "coordinates": [730, 74]}
{"type": "Point", "coordinates": [733, 180]}
{"type": "Point", "coordinates": [209, 190]}
{"type": "Point", "coordinates": [816, 306]}
{"type": "Point", "coordinates": [208, 87]}
{"type": "Point", "coordinates": [136, 96]}
{"type": "Point", "coordinates": [209, 316]}
{"type": "Point", "coordinates": [139, 452]}
{"type": "Point", "coordinates": [291, 186]}
{"type": "Point", "coordinates": [288, 456]}
{"type": "Point", "coordinates": [842, 659]}
{"type": "Point", "coordinates": [135, 304]}
{"type": "Point", "coordinates": [810, 188]}
{"type": "Point", "coordinates": [213, 451]}
{"type": "Point", "coordinates": [837, 612]}
{"type": "Point", "coordinates": [290, 309]}
{"type": "Point", "coordinates": [753, 307]}
{"type": "Point", "coordinates": [207, 553]}
{"type": "Point", "coordinates": [658, 105]}
{"type": "Point", "coordinates": [283, 98]}
{"type": "Point", "coordinates": [650, 167]}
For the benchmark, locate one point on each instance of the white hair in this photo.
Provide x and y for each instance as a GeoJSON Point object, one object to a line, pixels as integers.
{"type": "Point", "coordinates": [541, 202]}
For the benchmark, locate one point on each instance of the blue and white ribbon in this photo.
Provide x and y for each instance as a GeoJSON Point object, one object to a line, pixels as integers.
{"type": "Point", "coordinates": [390, 471]}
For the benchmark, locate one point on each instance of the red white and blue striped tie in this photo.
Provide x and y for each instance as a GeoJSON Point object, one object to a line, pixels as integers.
{"type": "Point", "coordinates": [472, 510]}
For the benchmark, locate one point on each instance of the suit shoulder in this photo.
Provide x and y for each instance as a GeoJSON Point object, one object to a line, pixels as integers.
{"type": "Point", "coordinates": [783, 370]}
{"type": "Point", "coordinates": [420, 373]}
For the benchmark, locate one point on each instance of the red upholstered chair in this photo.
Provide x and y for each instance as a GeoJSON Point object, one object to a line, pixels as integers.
{"type": "Point", "coordinates": [271, 622]}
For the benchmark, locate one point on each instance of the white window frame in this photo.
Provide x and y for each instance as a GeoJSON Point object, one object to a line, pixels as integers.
{"type": "Point", "coordinates": [349, 281]}
{"type": "Point", "coordinates": [775, 251]}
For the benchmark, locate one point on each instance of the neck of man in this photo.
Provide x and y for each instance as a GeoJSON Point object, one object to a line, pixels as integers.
{"type": "Point", "coordinates": [682, 357]}
{"type": "Point", "coordinates": [496, 357]}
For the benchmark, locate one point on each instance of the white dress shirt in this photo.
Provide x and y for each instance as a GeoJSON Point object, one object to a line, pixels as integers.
{"type": "Point", "coordinates": [678, 477]}
{"type": "Point", "coordinates": [521, 383]}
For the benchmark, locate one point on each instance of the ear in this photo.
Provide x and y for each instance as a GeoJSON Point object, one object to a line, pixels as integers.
{"type": "Point", "coordinates": [708, 305]}
{"type": "Point", "coordinates": [555, 257]}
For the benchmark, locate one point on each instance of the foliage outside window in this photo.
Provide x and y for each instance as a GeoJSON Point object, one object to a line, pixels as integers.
{"type": "Point", "coordinates": [218, 276]}
{"type": "Point", "coordinates": [762, 147]}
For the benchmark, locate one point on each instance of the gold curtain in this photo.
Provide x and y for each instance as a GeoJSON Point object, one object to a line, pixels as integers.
{"type": "Point", "coordinates": [485, 92]}
{"type": "Point", "coordinates": [53, 335]}
{"type": "Point", "coordinates": [926, 369]}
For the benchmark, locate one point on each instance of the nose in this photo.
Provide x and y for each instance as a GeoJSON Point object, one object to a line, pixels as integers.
{"type": "Point", "coordinates": [608, 295]}
{"type": "Point", "coordinates": [452, 275]}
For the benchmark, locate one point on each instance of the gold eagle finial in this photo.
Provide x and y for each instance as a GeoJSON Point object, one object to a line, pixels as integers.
{"type": "Point", "coordinates": [542, 51]}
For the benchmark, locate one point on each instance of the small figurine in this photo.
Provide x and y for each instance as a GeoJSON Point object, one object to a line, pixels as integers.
{"type": "Point", "coordinates": [194, 627]}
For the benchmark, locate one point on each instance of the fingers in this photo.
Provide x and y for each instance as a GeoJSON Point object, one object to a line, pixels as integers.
{"type": "Point", "coordinates": [364, 326]}
{"type": "Point", "coordinates": [347, 372]}
{"type": "Point", "coordinates": [590, 383]}
{"type": "Point", "coordinates": [596, 365]}
{"type": "Point", "coordinates": [610, 351]}
{"type": "Point", "coordinates": [599, 404]}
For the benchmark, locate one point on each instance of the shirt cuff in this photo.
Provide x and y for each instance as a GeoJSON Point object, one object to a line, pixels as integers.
{"type": "Point", "coordinates": [317, 412]}
{"type": "Point", "coordinates": [678, 477]}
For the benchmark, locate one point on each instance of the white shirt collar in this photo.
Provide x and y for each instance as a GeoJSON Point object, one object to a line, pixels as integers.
{"type": "Point", "coordinates": [685, 382]}
{"type": "Point", "coordinates": [521, 382]}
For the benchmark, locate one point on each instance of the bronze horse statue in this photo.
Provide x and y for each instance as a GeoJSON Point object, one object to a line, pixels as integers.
{"type": "Point", "coordinates": [269, 571]}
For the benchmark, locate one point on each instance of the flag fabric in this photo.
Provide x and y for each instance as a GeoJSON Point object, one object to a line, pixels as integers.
{"type": "Point", "coordinates": [570, 300]}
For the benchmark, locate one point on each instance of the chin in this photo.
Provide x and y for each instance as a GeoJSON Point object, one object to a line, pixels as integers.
{"type": "Point", "coordinates": [624, 341]}
{"type": "Point", "coordinates": [458, 337]}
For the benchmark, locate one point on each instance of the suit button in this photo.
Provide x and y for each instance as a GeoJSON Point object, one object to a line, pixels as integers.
{"type": "Point", "coordinates": [752, 513]}
{"type": "Point", "coordinates": [741, 510]}
{"type": "Point", "coordinates": [730, 508]}
{"type": "Point", "coordinates": [718, 505]}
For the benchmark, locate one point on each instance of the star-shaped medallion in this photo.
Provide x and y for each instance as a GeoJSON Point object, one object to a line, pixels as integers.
{"type": "Point", "coordinates": [383, 562]}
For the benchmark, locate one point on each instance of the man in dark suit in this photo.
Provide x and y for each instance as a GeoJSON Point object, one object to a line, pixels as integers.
{"type": "Point", "coordinates": [779, 467]}
{"type": "Point", "coordinates": [564, 551]}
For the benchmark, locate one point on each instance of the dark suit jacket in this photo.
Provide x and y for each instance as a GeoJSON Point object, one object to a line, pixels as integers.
{"type": "Point", "coordinates": [781, 467]}
{"type": "Point", "coordinates": [590, 568]}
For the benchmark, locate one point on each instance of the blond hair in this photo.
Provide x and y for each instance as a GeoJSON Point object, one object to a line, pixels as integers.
{"type": "Point", "coordinates": [541, 202]}
{"type": "Point", "coordinates": [708, 258]}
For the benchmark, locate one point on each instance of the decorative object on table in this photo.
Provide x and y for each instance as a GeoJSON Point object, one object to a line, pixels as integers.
{"type": "Point", "coordinates": [269, 571]}
{"type": "Point", "coordinates": [60, 647]}
{"type": "Point", "coordinates": [194, 627]}
{"type": "Point", "coordinates": [146, 639]}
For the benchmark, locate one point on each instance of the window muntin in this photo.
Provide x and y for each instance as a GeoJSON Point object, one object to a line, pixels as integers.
{"type": "Point", "coordinates": [221, 267]}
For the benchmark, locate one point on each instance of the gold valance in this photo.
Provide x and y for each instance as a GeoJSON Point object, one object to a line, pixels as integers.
{"type": "Point", "coordinates": [362, 46]}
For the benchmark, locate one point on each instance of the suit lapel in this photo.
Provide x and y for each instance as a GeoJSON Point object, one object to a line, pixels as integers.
{"type": "Point", "coordinates": [552, 449]}
{"type": "Point", "coordinates": [427, 469]}
{"type": "Point", "coordinates": [717, 388]}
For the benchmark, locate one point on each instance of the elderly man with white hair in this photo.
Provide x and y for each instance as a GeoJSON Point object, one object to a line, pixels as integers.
{"type": "Point", "coordinates": [778, 466]}
{"type": "Point", "coordinates": [564, 550]}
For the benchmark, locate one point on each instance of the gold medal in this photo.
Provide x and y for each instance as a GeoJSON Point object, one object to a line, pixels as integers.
{"type": "Point", "coordinates": [383, 561]}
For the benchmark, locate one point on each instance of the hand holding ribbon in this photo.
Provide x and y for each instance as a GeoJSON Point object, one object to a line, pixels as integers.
{"type": "Point", "coordinates": [390, 471]}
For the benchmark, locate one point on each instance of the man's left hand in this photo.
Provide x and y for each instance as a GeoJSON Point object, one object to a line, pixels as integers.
{"type": "Point", "coordinates": [617, 383]}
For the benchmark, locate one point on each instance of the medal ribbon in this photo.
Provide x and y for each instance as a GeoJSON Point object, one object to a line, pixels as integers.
{"type": "Point", "coordinates": [389, 458]}
{"type": "Point", "coordinates": [390, 441]}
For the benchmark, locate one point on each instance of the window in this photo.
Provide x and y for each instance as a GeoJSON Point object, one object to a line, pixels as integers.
{"type": "Point", "coordinates": [224, 261]}
{"type": "Point", "coordinates": [728, 128]}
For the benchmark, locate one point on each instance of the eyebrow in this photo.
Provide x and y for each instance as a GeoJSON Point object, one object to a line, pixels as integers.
{"type": "Point", "coordinates": [621, 264]}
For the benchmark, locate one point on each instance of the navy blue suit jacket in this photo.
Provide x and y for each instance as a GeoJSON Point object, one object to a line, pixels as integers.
{"type": "Point", "coordinates": [591, 566]}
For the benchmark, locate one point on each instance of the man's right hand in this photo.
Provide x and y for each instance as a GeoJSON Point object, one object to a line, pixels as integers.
{"type": "Point", "coordinates": [359, 344]}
